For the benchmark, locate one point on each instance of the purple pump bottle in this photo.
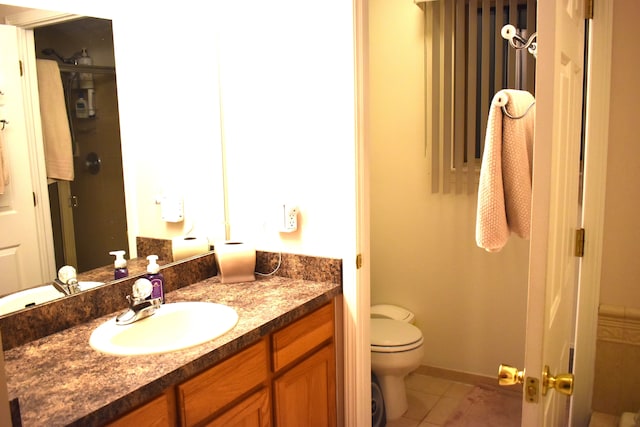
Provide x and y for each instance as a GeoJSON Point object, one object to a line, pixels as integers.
{"type": "Point", "coordinates": [155, 277]}
{"type": "Point", "coordinates": [120, 265]}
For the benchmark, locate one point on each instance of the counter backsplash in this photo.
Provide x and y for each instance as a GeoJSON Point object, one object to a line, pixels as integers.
{"type": "Point", "coordinates": [46, 319]}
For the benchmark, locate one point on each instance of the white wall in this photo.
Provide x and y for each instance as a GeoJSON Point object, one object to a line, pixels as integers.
{"type": "Point", "coordinates": [620, 267]}
{"type": "Point", "coordinates": [288, 93]}
{"type": "Point", "coordinates": [170, 119]}
{"type": "Point", "coordinates": [469, 304]}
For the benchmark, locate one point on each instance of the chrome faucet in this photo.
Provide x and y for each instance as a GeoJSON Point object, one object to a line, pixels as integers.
{"type": "Point", "coordinates": [67, 282]}
{"type": "Point", "coordinates": [139, 306]}
{"type": "Point", "coordinates": [138, 310]}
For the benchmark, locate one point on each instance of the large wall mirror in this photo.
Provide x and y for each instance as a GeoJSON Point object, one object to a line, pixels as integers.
{"type": "Point", "coordinates": [93, 214]}
{"type": "Point", "coordinates": [86, 211]}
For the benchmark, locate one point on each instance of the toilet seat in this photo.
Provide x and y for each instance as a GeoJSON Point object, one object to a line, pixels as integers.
{"type": "Point", "coordinates": [389, 311]}
{"type": "Point", "coordinates": [394, 336]}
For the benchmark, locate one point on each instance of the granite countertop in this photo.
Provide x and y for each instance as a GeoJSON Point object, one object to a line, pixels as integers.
{"type": "Point", "coordinates": [60, 380]}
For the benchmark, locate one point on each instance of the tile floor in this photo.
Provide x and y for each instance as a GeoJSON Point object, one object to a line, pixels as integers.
{"type": "Point", "coordinates": [431, 400]}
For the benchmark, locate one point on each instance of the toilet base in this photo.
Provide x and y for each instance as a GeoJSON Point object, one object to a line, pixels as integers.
{"type": "Point", "coordinates": [394, 394]}
{"type": "Point", "coordinates": [627, 419]}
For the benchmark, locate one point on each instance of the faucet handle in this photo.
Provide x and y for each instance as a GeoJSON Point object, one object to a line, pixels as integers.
{"type": "Point", "coordinates": [67, 273]}
{"type": "Point", "coordinates": [131, 300]}
{"type": "Point", "coordinates": [142, 289]}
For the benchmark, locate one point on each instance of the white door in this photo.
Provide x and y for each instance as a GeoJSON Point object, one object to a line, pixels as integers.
{"type": "Point", "coordinates": [20, 264]}
{"type": "Point", "coordinates": [553, 267]}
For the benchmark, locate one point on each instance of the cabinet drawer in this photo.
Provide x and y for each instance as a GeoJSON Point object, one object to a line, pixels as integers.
{"type": "Point", "coordinates": [293, 341]}
{"type": "Point", "coordinates": [209, 391]}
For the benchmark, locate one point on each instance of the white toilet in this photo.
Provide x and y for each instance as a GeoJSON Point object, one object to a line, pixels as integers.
{"type": "Point", "coordinates": [396, 350]}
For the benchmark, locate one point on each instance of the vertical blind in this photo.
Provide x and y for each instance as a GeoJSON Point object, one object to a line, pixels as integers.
{"type": "Point", "coordinates": [466, 63]}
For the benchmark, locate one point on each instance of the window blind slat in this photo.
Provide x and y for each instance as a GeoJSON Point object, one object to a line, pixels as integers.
{"type": "Point", "coordinates": [499, 47]}
{"type": "Point", "coordinates": [460, 89]}
{"type": "Point", "coordinates": [531, 27]}
{"type": "Point", "coordinates": [432, 52]}
{"type": "Point", "coordinates": [486, 61]}
{"type": "Point", "coordinates": [513, 19]}
{"type": "Point", "coordinates": [447, 92]}
{"type": "Point", "coordinates": [471, 88]}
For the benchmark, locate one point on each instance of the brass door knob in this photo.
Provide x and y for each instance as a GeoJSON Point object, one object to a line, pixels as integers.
{"type": "Point", "coordinates": [508, 375]}
{"type": "Point", "coordinates": [562, 383]}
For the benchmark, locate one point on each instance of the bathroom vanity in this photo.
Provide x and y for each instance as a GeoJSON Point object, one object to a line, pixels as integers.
{"type": "Point", "coordinates": [298, 374]}
{"type": "Point", "coordinates": [277, 363]}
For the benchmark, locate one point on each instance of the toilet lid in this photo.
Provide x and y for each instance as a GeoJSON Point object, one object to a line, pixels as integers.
{"type": "Point", "coordinates": [394, 335]}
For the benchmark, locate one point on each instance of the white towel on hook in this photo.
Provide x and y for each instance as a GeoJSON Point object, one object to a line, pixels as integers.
{"type": "Point", "coordinates": [504, 192]}
{"type": "Point", "coordinates": [58, 150]}
{"type": "Point", "coordinates": [4, 166]}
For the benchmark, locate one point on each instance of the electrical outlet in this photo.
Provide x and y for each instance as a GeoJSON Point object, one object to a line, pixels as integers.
{"type": "Point", "coordinates": [290, 219]}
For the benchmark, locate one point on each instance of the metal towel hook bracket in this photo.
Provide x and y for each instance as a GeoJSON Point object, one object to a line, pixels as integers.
{"type": "Point", "coordinates": [4, 123]}
{"type": "Point", "coordinates": [502, 100]}
{"type": "Point", "coordinates": [509, 32]}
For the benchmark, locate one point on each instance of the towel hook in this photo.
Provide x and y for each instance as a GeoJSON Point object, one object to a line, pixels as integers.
{"type": "Point", "coordinates": [504, 110]}
{"type": "Point", "coordinates": [502, 100]}
{"type": "Point", "coordinates": [509, 32]}
{"type": "Point", "coordinates": [4, 123]}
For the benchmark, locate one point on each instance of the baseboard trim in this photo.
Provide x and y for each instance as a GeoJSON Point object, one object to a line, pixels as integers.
{"type": "Point", "coordinates": [463, 377]}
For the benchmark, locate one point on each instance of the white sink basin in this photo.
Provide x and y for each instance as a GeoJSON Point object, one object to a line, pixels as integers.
{"type": "Point", "coordinates": [34, 296]}
{"type": "Point", "coordinates": [174, 326]}
{"type": "Point", "coordinates": [28, 298]}
{"type": "Point", "coordinates": [85, 286]}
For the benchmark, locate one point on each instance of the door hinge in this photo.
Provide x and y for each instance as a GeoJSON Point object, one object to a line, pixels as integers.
{"type": "Point", "coordinates": [358, 261]}
{"type": "Point", "coordinates": [588, 9]}
{"type": "Point", "coordinates": [21, 68]}
{"type": "Point", "coordinates": [579, 248]}
{"type": "Point", "coordinates": [35, 201]}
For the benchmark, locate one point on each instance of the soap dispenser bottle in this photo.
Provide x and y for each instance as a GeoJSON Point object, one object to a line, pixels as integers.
{"type": "Point", "coordinates": [120, 265]}
{"type": "Point", "coordinates": [155, 277]}
{"type": "Point", "coordinates": [86, 79]}
{"type": "Point", "coordinates": [82, 112]}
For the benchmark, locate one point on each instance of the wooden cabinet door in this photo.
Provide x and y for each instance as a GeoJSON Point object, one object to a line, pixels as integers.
{"type": "Point", "coordinates": [160, 412]}
{"type": "Point", "coordinates": [305, 395]}
{"type": "Point", "coordinates": [254, 411]}
{"type": "Point", "coordinates": [203, 395]}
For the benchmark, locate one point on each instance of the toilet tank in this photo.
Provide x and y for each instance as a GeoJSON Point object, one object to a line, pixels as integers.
{"type": "Point", "coordinates": [389, 311]}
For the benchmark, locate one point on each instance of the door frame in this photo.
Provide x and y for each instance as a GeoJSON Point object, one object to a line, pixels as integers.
{"type": "Point", "coordinates": [356, 387]}
{"type": "Point", "coordinates": [597, 100]}
{"type": "Point", "coordinates": [26, 22]}
{"type": "Point", "coordinates": [356, 281]}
